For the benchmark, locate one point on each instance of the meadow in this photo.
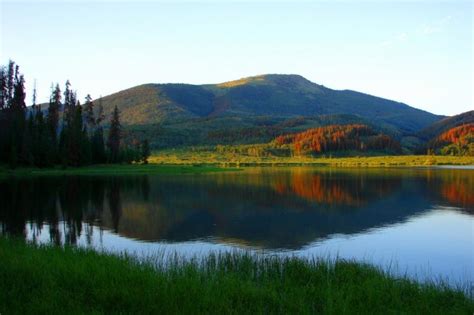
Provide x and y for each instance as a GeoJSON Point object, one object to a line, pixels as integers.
{"type": "Point", "coordinates": [46, 280]}
{"type": "Point", "coordinates": [248, 155]}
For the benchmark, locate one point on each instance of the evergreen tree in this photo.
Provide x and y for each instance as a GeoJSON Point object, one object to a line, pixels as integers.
{"type": "Point", "coordinates": [33, 106]}
{"type": "Point", "coordinates": [9, 84]}
{"type": "Point", "coordinates": [145, 151]}
{"type": "Point", "coordinates": [89, 113]}
{"type": "Point", "coordinates": [75, 141]}
{"type": "Point", "coordinates": [98, 145]}
{"type": "Point", "coordinates": [69, 104]}
{"type": "Point", "coordinates": [16, 115]}
{"type": "Point", "coordinates": [44, 143]}
{"type": "Point", "coordinates": [37, 134]}
{"type": "Point", "coordinates": [3, 87]}
{"type": "Point", "coordinates": [27, 156]}
{"type": "Point", "coordinates": [53, 113]}
{"type": "Point", "coordinates": [114, 138]}
{"type": "Point", "coordinates": [86, 148]}
{"type": "Point", "coordinates": [27, 137]}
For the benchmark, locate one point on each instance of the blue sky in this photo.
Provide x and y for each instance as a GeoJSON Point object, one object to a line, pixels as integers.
{"type": "Point", "coordinates": [420, 53]}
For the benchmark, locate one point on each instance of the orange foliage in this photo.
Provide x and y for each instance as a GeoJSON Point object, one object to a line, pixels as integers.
{"type": "Point", "coordinates": [315, 189]}
{"type": "Point", "coordinates": [458, 193]}
{"type": "Point", "coordinates": [338, 138]}
{"type": "Point", "coordinates": [458, 135]}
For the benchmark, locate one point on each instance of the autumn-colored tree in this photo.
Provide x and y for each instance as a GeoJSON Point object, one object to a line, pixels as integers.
{"type": "Point", "coordinates": [455, 141]}
{"type": "Point", "coordinates": [335, 138]}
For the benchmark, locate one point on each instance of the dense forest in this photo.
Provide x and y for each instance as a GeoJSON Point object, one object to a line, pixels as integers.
{"type": "Point", "coordinates": [336, 138]}
{"type": "Point", "coordinates": [66, 133]}
{"type": "Point", "coordinates": [455, 141]}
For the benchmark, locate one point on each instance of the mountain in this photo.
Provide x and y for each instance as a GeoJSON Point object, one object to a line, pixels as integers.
{"type": "Point", "coordinates": [263, 105]}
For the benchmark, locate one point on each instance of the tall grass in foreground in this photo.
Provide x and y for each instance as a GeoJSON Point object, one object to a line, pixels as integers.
{"type": "Point", "coordinates": [49, 279]}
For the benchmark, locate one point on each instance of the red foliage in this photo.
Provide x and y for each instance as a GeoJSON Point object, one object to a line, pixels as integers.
{"type": "Point", "coordinates": [458, 193]}
{"type": "Point", "coordinates": [338, 138]}
{"type": "Point", "coordinates": [457, 135]}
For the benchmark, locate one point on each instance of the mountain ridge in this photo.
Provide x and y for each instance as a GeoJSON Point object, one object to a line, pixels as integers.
{"type": "Point", "coordinates": [274, 95]}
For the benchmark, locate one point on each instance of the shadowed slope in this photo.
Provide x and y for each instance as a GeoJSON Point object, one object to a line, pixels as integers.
{"type": "Point", "coordinates": [271, 95]}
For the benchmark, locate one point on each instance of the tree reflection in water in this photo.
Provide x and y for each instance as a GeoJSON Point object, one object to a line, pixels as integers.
{"type": "Point", "coordinates": [283, 208]}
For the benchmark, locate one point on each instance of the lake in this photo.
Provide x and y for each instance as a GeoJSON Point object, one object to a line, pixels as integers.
{"type": "Point", "coordinates": [413, 221]}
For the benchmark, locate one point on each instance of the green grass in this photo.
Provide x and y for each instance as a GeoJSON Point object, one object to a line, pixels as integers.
{"type": "Point", "coordinates": [211, 156]}
{"type": "Point", "coordinates": [49, 280]}
{"type": "Point", "coordinates": [133, 169]}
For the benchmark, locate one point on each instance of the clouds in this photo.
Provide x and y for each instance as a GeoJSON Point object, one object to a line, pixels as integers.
{"type": "Point", "coordinates": [435, 27]}
{"type": "Point", "coordinates": [398, 38]}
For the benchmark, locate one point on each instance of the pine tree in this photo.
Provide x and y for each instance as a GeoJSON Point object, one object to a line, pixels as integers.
{"type": "Point", "coordinates": [9, 84]}
{"type": "Point", "coordinates": [98, 145]}
{"type": "Point", "coordinates": [3, 87]}
{"type": "Point", "coordinates": [113, 142]}
{"type": "Point", "coordinates": [75, 154]}
{"type": "Point", "coordinates": [89, 113]}
{"type": "Point", "coordinates": [44, 144]}
{"type": "Point", "coordinates": [17, 117]}
{"type": "Point", "coordinates": [53, 113]}
{"type": "Point", "coordinates": [69, 104]}
{"type": "Point", "coordinates": [145, 151]}
{"type": "Point", "coordinates": [27, 156]}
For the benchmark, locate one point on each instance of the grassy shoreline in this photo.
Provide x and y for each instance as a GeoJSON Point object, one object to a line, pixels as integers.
{"type": "Point", "coordinates": [48, 279]}
{"type": "Point", "coordinates": [122, 169]}
{"type": "Point", "coordinates": [178, 162]}
{"type": "Point", "coordinates": [205, 156]}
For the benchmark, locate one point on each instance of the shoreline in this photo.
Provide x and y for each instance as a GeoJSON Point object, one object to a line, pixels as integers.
{"type": "Point", "coordinates": [189, 157]}
{"type": "Point", "coordinates": [180, 165]}
{"type": "Point", "coordinates": [224, 283]}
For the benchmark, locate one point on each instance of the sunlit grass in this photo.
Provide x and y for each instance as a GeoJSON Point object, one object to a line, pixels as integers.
{"type": "Point", "coordinates": [239, 82]}
{"type": "Point", "coordinates": [193, 156]}
{"type": "Point", "coordinates": [50, 279]}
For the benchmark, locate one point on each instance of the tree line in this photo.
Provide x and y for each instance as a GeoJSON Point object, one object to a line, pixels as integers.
{"type": "Point", "coordinates": [335, 138]}
{"type": "Point", "coordinates": [66, 133]}
{"type": "Point", "coordinates": [455, 141]}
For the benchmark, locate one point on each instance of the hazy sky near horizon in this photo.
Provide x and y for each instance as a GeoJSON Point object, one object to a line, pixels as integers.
{"type": "Point", "coordinates": [419, 53]}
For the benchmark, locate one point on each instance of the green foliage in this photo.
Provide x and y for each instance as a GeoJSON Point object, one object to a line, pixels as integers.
{"type": "Point", "coordinates": [113, 142]}
{"type": "Point", "coordinates": [231, 113]}
{"type": "Point", "coordinates": [145, 151]}
{"type": "Point", "coordinates": [46, 279]}
{"type": "Point", "coordinates": [239, 156]}
{"type": "Point", "coordinates": [27, 138]}
{"type": "Point", "coordinates": [455, 141]}
{"type": "Point", "coordinates": [114, 169]}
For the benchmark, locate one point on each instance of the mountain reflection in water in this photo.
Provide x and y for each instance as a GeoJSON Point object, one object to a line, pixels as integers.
{"type": "Point", "coordinates": [285, 208]}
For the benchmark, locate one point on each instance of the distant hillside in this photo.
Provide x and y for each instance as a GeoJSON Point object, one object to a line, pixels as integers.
{"type": "Point", "coordinates": [445, 124]}
{"type": "Point", "coordinates": [337, 138]}
{"type": "Point", "coordinates": [277, 97]}
{"type": "Point", "coordinates": [455, 141]}
{"type": "Point", "coordinates": [256, 110]}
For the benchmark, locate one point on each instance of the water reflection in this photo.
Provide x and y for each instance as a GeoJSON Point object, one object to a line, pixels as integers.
{"type": "Point", "coordinates": [265, 208]}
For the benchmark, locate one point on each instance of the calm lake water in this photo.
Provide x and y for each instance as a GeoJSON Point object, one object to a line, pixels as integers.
{"type": "Point", "coordinates": [414, 221]}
